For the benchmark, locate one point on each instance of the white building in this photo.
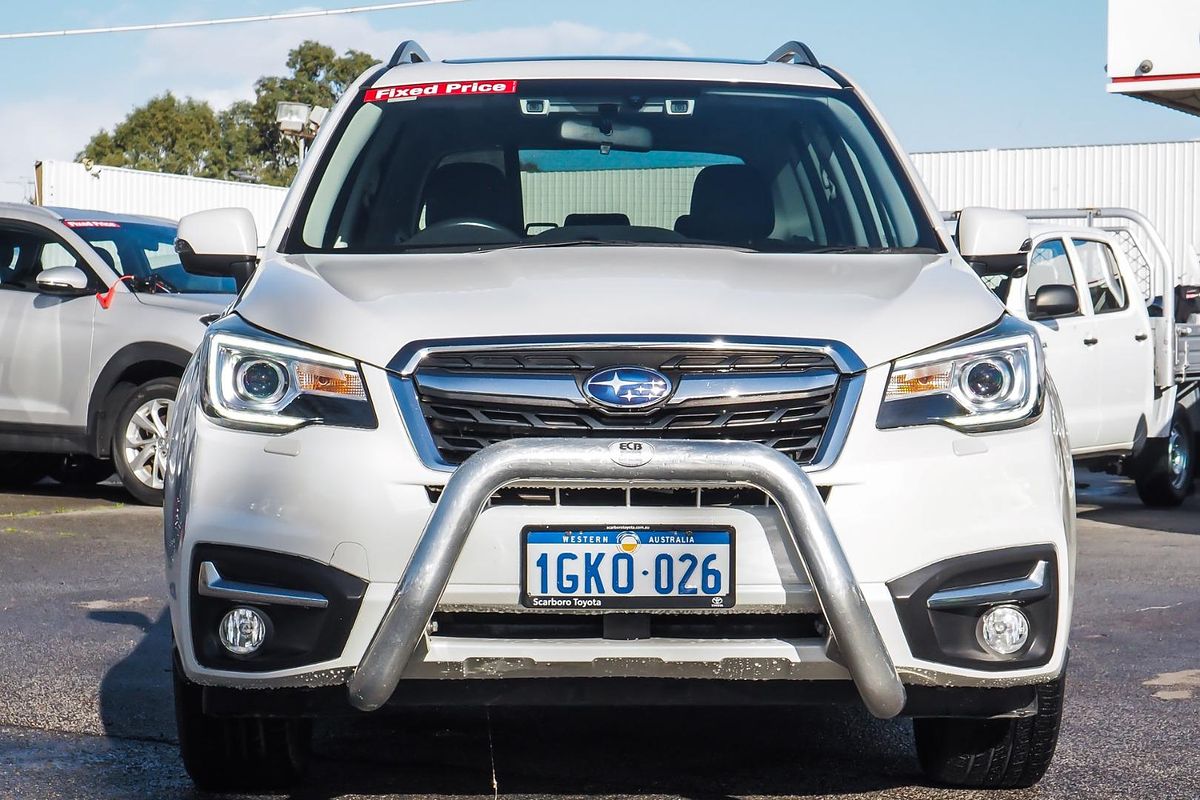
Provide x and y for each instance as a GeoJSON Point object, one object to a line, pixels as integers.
{"type": "Point", "coordinates": [131, 191]}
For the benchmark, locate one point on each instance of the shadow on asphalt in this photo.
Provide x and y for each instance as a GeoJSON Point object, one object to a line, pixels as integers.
{"type": "Point", "coordinates": [112, 492]}
{"type": "Point", "coordinates": [135, 693]}
{"type": "Point", "coordinates": [694, 752]}
{"type": "Point", "coordinates": [1114, 501]}
{"type": "Point", "coordinates": [690, 752]}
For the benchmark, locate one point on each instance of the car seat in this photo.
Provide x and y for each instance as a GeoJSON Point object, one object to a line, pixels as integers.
{"type": "Point", "coordinates": [731, 203]}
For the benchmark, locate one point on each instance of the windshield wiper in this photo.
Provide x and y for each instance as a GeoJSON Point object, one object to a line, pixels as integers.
{"type": "Point", "coordinates": [858, 248]}
{"type": "Point", "coordinates": [622, 243]}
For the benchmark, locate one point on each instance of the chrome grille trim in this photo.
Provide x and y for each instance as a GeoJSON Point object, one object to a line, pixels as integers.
{"type": "Point", "coordinates": [563, 389]}
{"type": "Point", "coordinates": [406, 361]}
{"type": "Point", "coordinates": [778, 391]}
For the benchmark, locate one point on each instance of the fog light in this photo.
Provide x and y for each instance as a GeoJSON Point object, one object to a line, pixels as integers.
{"type": "Point", "coordinates": [243, 630]}
{"type": "Point", "coordinates": [1003, 630]}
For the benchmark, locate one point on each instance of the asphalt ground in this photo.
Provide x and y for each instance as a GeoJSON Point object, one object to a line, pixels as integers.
{"type": "Point", "coordinates": [85, 701]}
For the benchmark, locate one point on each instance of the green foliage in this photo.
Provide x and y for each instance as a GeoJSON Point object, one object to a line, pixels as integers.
{"type": "Point", "coordinates": [187, 137]}
{"type": "Point", "coordinates": [166, 134]}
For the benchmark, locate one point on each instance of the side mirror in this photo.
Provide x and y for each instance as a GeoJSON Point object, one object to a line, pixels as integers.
{"type": "Point", "coordinates": [1055, 300]}
{"type": "Point", "coordinates": [63, 282]}
{"type": "Point", "coordinates": [220, 243]}
{"type": "Point", "coordinates": [992, 236]}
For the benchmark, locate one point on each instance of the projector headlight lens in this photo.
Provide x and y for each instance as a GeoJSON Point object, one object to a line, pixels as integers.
{"type": "Point", "coordinates": [260, 380]}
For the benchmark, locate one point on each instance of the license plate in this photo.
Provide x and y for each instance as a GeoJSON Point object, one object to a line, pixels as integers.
{"type": "Point", "coordinates": [628, 567]}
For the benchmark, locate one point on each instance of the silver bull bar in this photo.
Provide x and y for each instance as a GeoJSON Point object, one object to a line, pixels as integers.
{"type": "Point", "coordinates": [420, 589]}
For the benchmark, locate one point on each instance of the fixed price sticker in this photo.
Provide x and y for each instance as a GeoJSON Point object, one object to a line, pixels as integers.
{"type": "Point", "coordinates": [90, 223]}
{"type": "Point", "coordinates": [393, 94]}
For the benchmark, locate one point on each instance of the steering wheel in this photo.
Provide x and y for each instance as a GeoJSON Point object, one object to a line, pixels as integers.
{"type": "Point", "coordinates": [464, 230]}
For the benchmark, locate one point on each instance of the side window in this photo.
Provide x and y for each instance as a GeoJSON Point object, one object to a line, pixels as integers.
{"type": "Point", "coordinates": [24, 253]}
{"type": "Point", "coordinates": [12, 251]}
{"type": "Point", "coordinates": [1103, 278]}
{"type": "Point", "coordinates": [55, 255]}
{"type": "Point", "coordinates": [1048, 266]}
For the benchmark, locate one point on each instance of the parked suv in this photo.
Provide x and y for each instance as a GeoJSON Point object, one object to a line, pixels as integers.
{"type": "Point", "coordinates": [98, 319]}
{"type": "Point", "coordinates": [615, 382]}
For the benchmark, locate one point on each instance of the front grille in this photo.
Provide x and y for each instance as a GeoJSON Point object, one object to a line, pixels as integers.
{"type": "Point", "coordinates": [783, 399]}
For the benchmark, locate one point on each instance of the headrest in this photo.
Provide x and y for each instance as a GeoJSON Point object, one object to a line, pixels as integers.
{"type": "Point", "coordinates": [730, 203]}
{"type": "Point", "coordinates": [476, 191]}
{"type": "Point", "coordinates": [596, 219]}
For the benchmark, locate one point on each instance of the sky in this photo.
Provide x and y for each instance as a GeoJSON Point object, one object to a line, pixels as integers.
{"type": "Point", "coordinates": [947, 74]}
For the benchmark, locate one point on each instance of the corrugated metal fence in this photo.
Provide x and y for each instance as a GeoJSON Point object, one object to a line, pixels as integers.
{"type": "Point", "coordinates": [129, 191]}
{"type": "Point", "coordinates": [1159, 180]}
{"type": "Point", "coordinates": [655, 197]}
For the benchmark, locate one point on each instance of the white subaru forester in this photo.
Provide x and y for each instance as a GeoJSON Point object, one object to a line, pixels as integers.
{"type": "Point", "coordinates": [615, 380]}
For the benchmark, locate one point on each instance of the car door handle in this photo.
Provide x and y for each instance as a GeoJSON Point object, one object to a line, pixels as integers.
{"type": "Point", "coordinates": [1141, 337]}
{"type": "Point", "coordinates": [1091, 340]}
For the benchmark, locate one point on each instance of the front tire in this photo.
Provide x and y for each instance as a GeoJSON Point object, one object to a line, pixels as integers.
{"type": "Point", "coordinates": [139, 439]}
{"type": "Point", "coordinates": [992, 753]}
{"type": "Point", "coordinates": [1165, 472]}
{"type": "Point", "coordinates": [236, 754]}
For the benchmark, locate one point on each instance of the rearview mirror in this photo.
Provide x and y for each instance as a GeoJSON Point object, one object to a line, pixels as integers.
{"type": "Point", "coordinates": [1055, 300]}
{"type": "Point", "coordinates": [219, 243]}
{"type": "Point", "coordinates": [63, 281]}
{"type": "Point", "coordinates": [992, 236]}
{"type": "Point", "coordinates": [606, 134]}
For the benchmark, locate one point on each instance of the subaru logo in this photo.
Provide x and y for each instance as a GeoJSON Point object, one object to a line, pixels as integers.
{"type": "Point", "coordinates": [627, 387]}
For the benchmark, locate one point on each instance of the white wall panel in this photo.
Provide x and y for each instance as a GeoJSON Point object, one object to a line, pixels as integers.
{"type": "Point", "coordinates": [129, 191]}
{"type": "Point", "coordinates": [654, 197]}
{"type": "Point", "coordinates": [1159, 180]}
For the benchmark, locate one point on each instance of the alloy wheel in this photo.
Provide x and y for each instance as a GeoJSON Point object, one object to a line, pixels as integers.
{"type": "Point", "coordinates": [145, 447]}
{"type": "Point", "coordinates": [1178, 457]}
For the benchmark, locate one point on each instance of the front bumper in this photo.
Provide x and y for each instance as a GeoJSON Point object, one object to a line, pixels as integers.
{"type": "Point", "coordinates": [357, 501]}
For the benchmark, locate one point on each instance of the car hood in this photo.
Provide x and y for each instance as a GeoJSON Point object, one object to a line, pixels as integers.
{"type": "Point", "coordinates": [369, 307]}
{"type": "Point", "coordinates": [189, 303]}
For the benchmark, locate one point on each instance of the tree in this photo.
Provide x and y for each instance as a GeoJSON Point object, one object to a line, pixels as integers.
{"type": "Point", "coordinates": [167, 135]}
{"type": "Point", "coordinates": [188, 138]}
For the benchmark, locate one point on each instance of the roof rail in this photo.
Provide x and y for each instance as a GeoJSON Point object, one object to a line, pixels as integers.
{"type": "Point", "coordinates": [794, 52]}
{"type": "Point", "coordinates": [409, 52]}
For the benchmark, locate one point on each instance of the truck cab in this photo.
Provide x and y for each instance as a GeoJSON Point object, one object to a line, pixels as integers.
{"type": "Point", "coordinates": [1119, 344]}
{"type": "Point", "coordinates": [1099, 351]}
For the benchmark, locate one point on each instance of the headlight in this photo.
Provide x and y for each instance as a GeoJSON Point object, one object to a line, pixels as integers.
{"type": "Point", "coordinates": [992, 380]}
{"type": "Point", "coordinates": [271, 385]}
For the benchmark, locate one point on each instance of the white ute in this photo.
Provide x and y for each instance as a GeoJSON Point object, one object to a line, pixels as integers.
{"type": "Point", "coordinates": [1126, 369]}
{"type": "Point", "coordinates": [615, 381]}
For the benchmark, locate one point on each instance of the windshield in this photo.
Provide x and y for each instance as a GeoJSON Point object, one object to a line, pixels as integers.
{"type": "Point", "coordinates": [479, 166]}
{"type": "Point", "coordinates": [146, 252]}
